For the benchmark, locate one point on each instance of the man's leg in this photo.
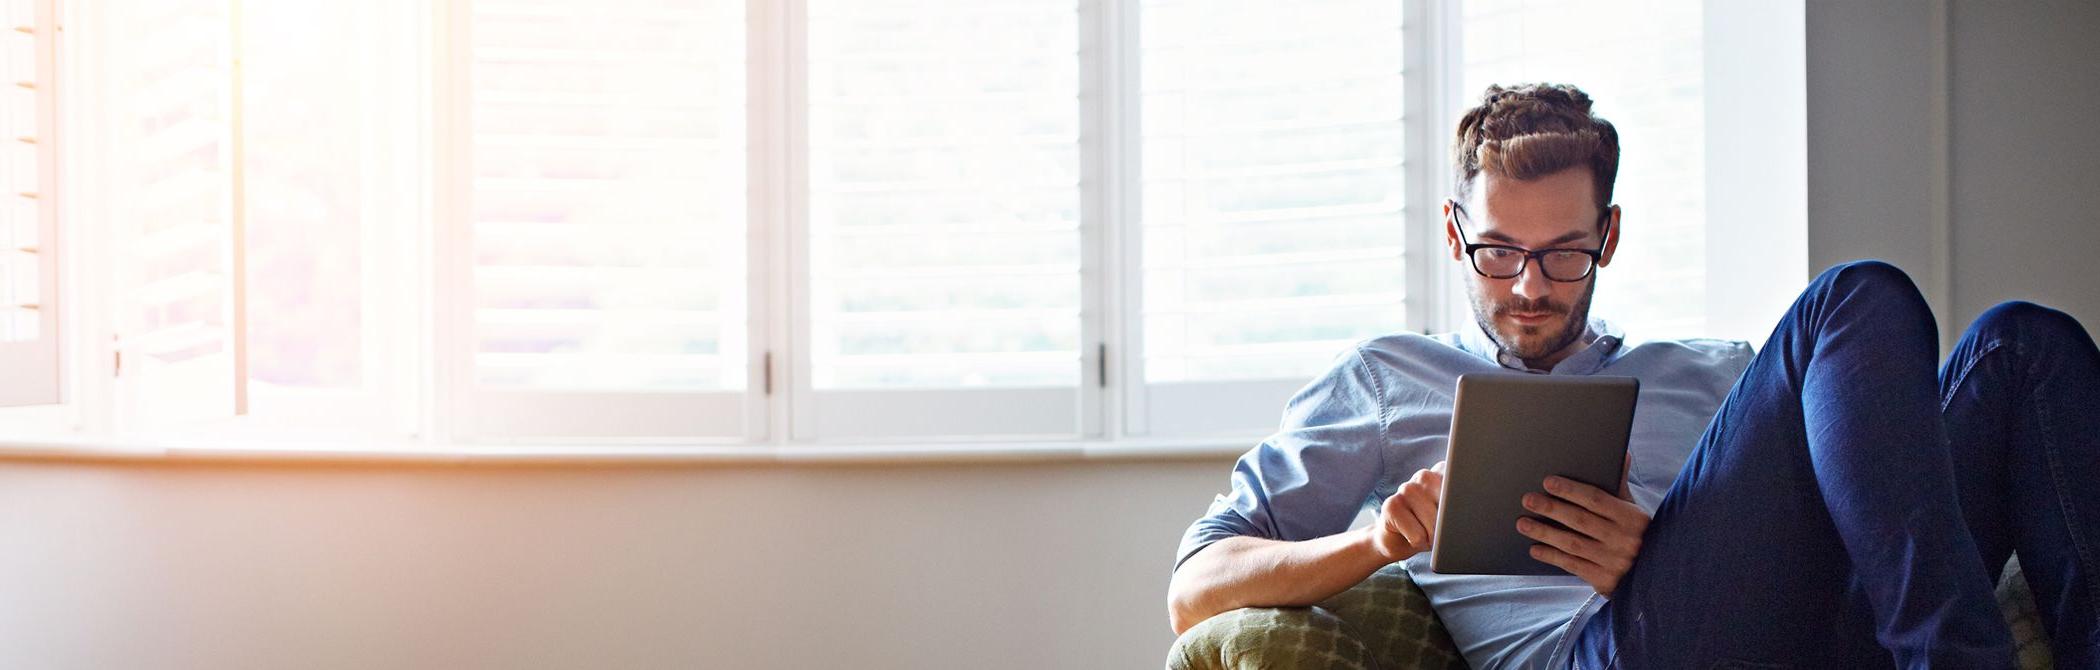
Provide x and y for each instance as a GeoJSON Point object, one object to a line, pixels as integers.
{"type": "Point", "coordinates": [1818, 513]}
{"type": "Point", "coordinates": [2018, 398]}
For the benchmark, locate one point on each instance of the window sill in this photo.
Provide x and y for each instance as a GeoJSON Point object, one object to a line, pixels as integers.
{"type": "Point", "coordinates": [107, 449]}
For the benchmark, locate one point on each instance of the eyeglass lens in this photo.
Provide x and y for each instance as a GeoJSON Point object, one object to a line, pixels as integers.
{"type": "Point", "coordinates": [1507, 263]}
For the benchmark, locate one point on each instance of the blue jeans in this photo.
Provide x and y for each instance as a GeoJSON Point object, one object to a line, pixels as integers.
{"type": "Point", "coordinates": [1848, 508]}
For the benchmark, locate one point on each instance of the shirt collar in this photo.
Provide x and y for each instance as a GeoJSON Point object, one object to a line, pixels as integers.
{"type": "Point", "coordinates": [1602, 340]}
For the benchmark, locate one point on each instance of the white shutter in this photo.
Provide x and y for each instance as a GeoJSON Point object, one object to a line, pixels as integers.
{"type": "Point", "coordinates": [1272, 190]}
{"type": "Point", "coordinates": [29, 203]}
{"type": "Point", "coordinates": [607, 219]}
{"type": "Point", "coordinates": [943, 239]}
{"type": "Point", "coordinates": [167, 153]}
{"type": "Point", "coordinates": [1648, 79]}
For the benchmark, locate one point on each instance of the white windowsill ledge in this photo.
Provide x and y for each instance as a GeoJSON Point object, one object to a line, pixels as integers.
{"type": "Point", "coordinates": [68, 448]}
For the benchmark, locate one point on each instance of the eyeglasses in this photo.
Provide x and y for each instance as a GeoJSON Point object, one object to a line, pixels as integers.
{"type": "Point", "coordinates": [1502, 261]}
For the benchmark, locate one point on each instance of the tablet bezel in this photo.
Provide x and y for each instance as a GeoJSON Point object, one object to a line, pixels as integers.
{"type": "Point", "coordinates": [1492, 458]}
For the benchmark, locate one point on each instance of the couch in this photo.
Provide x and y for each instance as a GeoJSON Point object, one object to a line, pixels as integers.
{"type": "Point", "coordinates": [1385, 623]}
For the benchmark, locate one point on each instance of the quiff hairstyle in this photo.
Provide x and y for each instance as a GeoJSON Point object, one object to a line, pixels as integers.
{"type": "Point", "coordinates": [1533, 130]}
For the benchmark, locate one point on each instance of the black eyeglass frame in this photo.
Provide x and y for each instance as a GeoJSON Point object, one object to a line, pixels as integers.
{"type": "Point", "coordinates": [1530, 255]}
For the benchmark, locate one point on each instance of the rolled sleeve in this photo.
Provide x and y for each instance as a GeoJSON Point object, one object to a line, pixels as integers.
{"type": "Point", "coordinates": [1315, 473]}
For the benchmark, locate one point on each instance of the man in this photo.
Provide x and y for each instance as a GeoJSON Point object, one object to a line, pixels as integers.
{"type": "Point", "coordinates": [1826, 502]}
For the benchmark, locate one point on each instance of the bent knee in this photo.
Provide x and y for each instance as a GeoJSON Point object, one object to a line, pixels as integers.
{"type": "Point", "coordinates": [2030, 322]}
{"type": "Point", "coordinates": [1870, 275]}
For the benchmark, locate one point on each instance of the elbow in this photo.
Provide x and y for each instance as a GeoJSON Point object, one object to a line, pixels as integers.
{"type": "Point", "coordinates": [1195, 593]}
{"type": "Point", "coordinates": [1179, 615]}
{"type": "Point", "coordinates": [1185, 606]}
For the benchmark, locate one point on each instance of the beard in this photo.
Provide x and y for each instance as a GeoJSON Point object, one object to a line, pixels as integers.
{"type": "Point", "coordinates": [1533, 342]}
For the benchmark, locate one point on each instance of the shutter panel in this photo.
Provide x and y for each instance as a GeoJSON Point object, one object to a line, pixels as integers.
{"type": "Point", "coordinates": [1273, 195]}
{"type": "Point", "coordinates": [608, 218]}
{"type": "Point", "coordinates": [944, 199]}
{"type": "Point", "coordinates": [29, 205]}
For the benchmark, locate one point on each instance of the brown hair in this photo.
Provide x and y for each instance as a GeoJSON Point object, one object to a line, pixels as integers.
{"type": "Point", "coordinates": [1533, 130]}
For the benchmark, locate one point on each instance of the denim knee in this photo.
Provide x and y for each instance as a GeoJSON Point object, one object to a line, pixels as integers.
{"type": "Point", "coordinates": [1874, 287]}
{"type": "Point", "coordinates": [2032, 326]}
{"type": "Point", "coordinates": [1877, 278]}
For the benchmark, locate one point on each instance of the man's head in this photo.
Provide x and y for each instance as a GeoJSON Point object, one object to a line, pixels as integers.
{"type": "Point", "coordinates": [1534, 171]}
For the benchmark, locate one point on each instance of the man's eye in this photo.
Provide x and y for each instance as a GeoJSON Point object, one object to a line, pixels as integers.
{"type": "Point", "coordinates": [1500, 254]}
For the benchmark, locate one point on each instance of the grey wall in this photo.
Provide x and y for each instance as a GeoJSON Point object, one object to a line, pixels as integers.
{"type": "Point", "coordinates": [301, 566]}
{"type": "Point", "coordinates": [2026, 156]}
{"type": "Point", "coordinates": [1966, 124]}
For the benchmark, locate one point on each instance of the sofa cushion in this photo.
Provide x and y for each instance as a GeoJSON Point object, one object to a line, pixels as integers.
{"type": "Point", "coordinates": [1385, 623]}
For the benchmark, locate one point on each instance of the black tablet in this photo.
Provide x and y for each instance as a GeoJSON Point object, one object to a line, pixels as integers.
{"type": "Point", "coordinates": [1508, 432]}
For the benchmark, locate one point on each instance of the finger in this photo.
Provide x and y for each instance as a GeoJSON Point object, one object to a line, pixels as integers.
{"type": "Point", "coordinates": [1587, 548]}
{"type": "Point", "coordinates": [1421, 502]}
{"type": "Point", "coordinates": [1434, 480]}
{"type": "Point", "coordinates": [1409, 529]}
{"type": "Point", "coordinates": [1569, 514]}
{"type": "Point", "coordinates": [1591, 498]}
{"type": "Point", "coordinates": [1589, 572]}
{"type": "Point", "coordinates": [1399, 518]}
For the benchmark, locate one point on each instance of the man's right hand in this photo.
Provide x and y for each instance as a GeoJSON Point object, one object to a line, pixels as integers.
{"type": "Point", "coordinates": [1407, 521]}
{"type": "Point", "coordinates": [1247, 571]}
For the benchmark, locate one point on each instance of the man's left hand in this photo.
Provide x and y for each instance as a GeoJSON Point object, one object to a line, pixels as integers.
{"type": "Point", "coordinates": [1603, 532]}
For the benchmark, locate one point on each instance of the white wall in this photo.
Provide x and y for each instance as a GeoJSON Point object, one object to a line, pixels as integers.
{"type": "Point", "coordinates": [304, 566]}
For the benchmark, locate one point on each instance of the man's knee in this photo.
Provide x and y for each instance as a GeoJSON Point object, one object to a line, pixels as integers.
{"type": "Point", "coordinates": [2031, 324]}
{"type": "Point", "coordinates": [1868, 276]}
{"type": "Point", "coordinates": [1874, 291]}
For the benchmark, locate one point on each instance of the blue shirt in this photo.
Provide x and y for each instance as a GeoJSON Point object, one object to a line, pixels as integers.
{"type": "Point", "coordinates": [1383, 410]}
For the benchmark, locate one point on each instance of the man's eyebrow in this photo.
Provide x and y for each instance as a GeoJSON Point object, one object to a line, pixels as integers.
{"type": "Point", "coordinates": [1564, 239]}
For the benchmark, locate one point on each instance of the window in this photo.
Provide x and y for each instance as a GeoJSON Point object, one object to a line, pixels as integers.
{"type": "Point", "coordinates": [330, 201]}
{"type": "Point", "coordinates": [29, 142]}
{"type": "Point", "coordinates": [170, 143]}
{"type": "Point", "coordinates": [255, 177]}
{"type": "Point", "coordinates": [605, 214]}
{"type": "Point", "coordinates": [782, 222]}
{"type": "Point", "coordinates": [944, 198]}
{"type": "Point", "coordinates": [1274, 200]}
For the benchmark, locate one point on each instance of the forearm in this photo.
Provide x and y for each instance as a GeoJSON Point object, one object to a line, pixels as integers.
{"type": "Point", "coordinates": [1254, 572]}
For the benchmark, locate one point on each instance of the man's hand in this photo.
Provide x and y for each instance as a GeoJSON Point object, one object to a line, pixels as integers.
{"type": "Point", "coordinates": [1407, 521]}
{"type": "Point", "coordinates": [1606, 530]}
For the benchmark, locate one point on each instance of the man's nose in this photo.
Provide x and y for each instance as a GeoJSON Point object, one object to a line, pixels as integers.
{"type": "Point", "coordinates": [1532, 283]}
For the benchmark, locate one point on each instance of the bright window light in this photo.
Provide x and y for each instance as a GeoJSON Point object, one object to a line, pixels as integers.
{"type": "Point", "coordinates": [944, 193]}
{"type": "Point", "coordinates": [608, 195]}
{"type": "Point", "coordinates": [1272, 186]}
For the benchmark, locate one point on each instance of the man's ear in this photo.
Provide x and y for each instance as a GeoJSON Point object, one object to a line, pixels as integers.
{"type": "Point", "coordinates": [1452, 243]}
{"type": "Point", "coordinates": [1611, 237]}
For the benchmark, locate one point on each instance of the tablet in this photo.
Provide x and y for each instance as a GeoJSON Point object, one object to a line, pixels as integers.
{"type": "Point", "coordinates": [1508, 432]}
